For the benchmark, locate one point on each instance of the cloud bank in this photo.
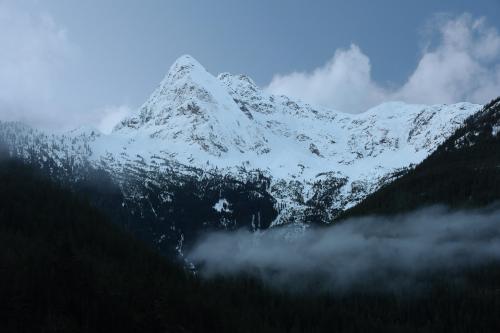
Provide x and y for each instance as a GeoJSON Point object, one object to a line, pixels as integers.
{"type": "Point", "coordinates": [374, 252]}
{"type": "Point", "coordinates": [463, 66]}
{"type": "Point", "coordinates": [34, 53]}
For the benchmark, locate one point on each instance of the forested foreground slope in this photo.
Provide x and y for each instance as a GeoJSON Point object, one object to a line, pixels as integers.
{"type": "Point", "coordinates": [65, 268]}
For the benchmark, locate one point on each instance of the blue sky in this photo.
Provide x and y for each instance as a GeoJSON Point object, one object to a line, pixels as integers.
{"type": "Point", "coordinates": [100, 58]}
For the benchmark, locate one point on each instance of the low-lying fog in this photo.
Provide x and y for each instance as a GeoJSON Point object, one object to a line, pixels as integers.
{"type": "Point", "coordinates": [375, 252]}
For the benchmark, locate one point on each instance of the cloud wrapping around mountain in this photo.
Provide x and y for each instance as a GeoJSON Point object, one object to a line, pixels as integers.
{"type": "Point", "coordinates": [378, 253]}
{"type": "Point", "coordinates": [36, 56]}
{"type": "Point", "coordinates": [107, 118]}
{"type": "Point", "coordinates": [463, 66]}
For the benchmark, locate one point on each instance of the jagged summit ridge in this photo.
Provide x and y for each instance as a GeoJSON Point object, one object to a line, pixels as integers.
{"type": "Point", "coordinates": [186, 81]}
{"type": "Point", "coordinates": [193, 107]}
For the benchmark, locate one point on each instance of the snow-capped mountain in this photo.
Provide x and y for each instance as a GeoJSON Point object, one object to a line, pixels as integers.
{"type": "Point", "coordinates": [230, 124]}
{"type": "Point", "coordinates": [308, 163]}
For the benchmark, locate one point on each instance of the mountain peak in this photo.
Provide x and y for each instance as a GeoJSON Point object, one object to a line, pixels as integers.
{"type": "Point", "coordinates": [184, 65]}
{"type": "Point", "coordinates": [192, 105]}
{"type": "Point", "coordinates": [186, 60]}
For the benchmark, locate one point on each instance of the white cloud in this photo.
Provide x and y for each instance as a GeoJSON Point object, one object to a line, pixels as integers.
{"type": "Point", "coordinates": [344, 83]}
{"type": "Point", "coordinates": [463, 66]}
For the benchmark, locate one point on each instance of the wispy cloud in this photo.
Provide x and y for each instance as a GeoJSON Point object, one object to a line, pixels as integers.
{"type": "Point", "coordinates": [107, 118]}
{"type": "Point", "coordinates": [464, 65]}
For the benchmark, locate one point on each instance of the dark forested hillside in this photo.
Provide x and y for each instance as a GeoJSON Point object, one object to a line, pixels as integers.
{"type": "Point", "coordinates": [463, 172]}
{"type": "Point", "coordinates": [65, 268]}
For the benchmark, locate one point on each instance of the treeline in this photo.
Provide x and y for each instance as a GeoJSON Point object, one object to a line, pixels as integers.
{"type": "Point", "coordinates": [65, 268]}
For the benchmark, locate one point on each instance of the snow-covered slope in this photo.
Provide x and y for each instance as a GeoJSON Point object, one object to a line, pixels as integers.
{"type": "Point", "coordinates": [230, 124]}
{"type": "Point", "coordinates": [316, 162]}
